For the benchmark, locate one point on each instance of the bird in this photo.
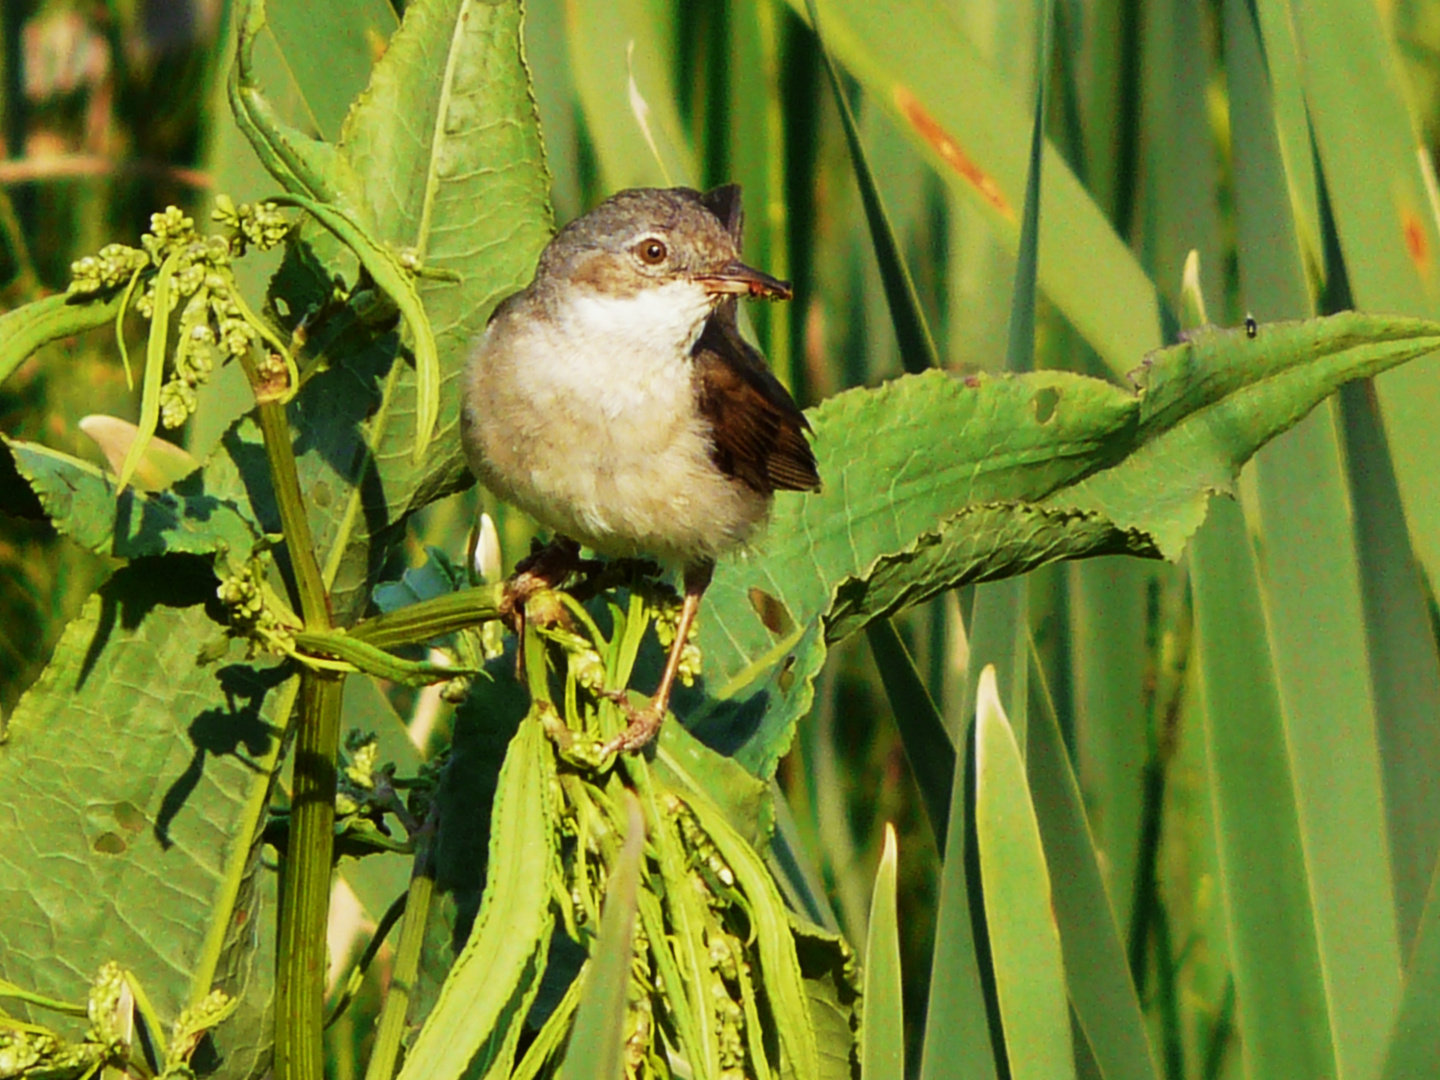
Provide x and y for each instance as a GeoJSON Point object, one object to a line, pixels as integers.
{"type": "Point", "coordinates": [616, 402]}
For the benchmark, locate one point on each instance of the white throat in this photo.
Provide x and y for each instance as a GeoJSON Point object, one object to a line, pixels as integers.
{"type": "Point", "coordinates": [633, 351]}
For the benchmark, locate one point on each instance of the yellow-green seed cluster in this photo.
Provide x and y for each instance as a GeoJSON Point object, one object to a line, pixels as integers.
{"type": "Point", "coordinates": [194, 274]}
{"type": "Point", "coordinates": [251, 615]}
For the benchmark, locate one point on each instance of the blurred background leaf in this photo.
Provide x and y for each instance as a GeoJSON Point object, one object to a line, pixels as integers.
{"type": "Point", "coordinates": [1291, 145]}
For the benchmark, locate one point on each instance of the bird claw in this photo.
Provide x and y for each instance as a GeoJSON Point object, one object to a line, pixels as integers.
{"type": "Point", "coordinates": [643, 725]}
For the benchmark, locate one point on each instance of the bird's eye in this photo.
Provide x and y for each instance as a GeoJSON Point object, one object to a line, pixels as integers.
{"type": "Point", "coordinates": [652, 252]}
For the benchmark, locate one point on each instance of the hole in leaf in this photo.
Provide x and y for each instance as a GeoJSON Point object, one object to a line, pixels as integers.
{"type": "Point", "coordinates": [129, 816]}
{"type": "Point", "coordinates": [787, 674]}
{"type": "Point", "coordinates": [1044, 404]}
{"type": "Point", "coordinates": [109, 844]}
{"type": "Point", "coordinates": [773, 612]}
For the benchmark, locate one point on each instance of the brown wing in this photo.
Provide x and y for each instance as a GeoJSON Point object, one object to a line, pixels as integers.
{"type": "Point", "coordinates": [758, 430]}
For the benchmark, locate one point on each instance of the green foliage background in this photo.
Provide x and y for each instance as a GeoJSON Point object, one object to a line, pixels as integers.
{"type": "Point", "coordinates": [1253, 729]}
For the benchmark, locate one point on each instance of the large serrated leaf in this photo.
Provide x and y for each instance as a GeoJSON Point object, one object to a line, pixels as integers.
{"type": "Point", "coordinates": [832, 989]}
{"type": "Point", "coordinates": [496, 976]}
{"type": "Point", "coordinates": [128, 807]}
{"type": "Point", "coordinates": [931, 482]}
{"type": "Point", "coordinates": [441, 154]}
{"type": "Point", "coordinates": [81, 502]}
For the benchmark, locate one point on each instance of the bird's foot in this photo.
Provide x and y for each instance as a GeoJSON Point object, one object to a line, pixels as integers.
{"type": "Point", "coordinates": [543, 569]}
{"type": "Point", "coordinates": [643, 723]}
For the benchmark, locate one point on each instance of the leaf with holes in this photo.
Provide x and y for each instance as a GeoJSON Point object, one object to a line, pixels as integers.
{"type": "Point", "coordinates": [931, 482]}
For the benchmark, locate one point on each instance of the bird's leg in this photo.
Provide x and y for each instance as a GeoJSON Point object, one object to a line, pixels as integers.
{"type": "Point", "coordinates": [645, 723]}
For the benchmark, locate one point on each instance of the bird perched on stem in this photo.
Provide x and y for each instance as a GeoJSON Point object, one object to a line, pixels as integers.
{"type": "Point", "coordinates": [615, 401]}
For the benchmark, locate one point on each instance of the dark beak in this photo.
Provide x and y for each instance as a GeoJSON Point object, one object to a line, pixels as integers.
{"type": "Point", "coordinates": [737, 279]}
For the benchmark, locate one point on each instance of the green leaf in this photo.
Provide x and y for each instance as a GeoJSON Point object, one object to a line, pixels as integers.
{"type": "Point", "coordinates": [780, 967]}
{"type": "Point", "coordinates": [82, 503]}
{"type": "Point", "coordinates": [1000, 636]}
{"type": "Point", "coordinates": [932, 482]}
{"type": "Point", "coordinates": [598, 1038]}
{"type": "Point", "coordinates": [1315, 611]}
{"type": "Point", "coordinates": [1415, 1039]}
{"type": "Point", "coordinates": [1102, 994]}
{"type": "Point", "coordinates": [1278, 977]}
{"type": "Point", "coordinates": [882, 1037]}
{"type": "Point", "coordinates": [302, 164]}
{"type": "Point", "coordinates": [1404, 665]}
{"type": "Point", "coordinates": [353, 33]}
{"type": "Point", "coordinates": [154, 377]}
{"type": "Point", "coordinates": [490, 987]}
{"type": "Point", "coordinates": [827, 966]}
{"type": "Point", "coordinates": [416, 165]}
{"type": "Point", "coordinates": [912, 331]}
{"type": "Point", "coordinates": [1024, 940]}
{"type": "Point", "coordinates": [1359, 113]}
{"type": "Point", "coordinates": [27, 328]}
{"type": "Point", "coordinates": [685, 762]}
{"type": "Point", "coordinates": [1111, 663]}
{"type": "Point", "coordinates": [970, 122]}
{"type": "Point", "coordinates": [484, 726]}
{"type": "Point", "coordinates": [385, 269]}
{"type": "Point", "coordinates": [961, 1037]}
{"type": "Point", "coordinates": [134, 781]}
{"type": "Point", "coordinates": [928, 748]}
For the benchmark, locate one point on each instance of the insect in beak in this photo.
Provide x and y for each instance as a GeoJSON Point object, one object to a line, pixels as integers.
{"type": "Point", "coordinates": [737, 279]}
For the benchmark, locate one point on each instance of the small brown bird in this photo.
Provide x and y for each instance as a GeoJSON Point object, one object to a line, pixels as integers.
{"type": "Point", "coordinates": [615, 401]}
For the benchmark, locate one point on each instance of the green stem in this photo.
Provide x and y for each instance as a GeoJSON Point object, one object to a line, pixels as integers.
{"type": "Point", "coordinates": [294, 523]}
{"type": "Point", "coordinates": [305, 889]}
{"type": "Point", "coordinates": [429, 619]}
{"type": "Point", "coordinates": [407, 960]}
{"type": "Point", "coordinates": [393, 914]}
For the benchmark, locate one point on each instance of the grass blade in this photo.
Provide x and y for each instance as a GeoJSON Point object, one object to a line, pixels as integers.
{"type": "Point", "coordinates": [1314, 607]}
{"type": "Point", "coordinates": [922, 728]}
{"type": "Point", "coordinates": [1415, 1041]}
{"type": "Point", "coordinates": [912, 331]}
{"type": "Point", "coordinates": [882, 1036]}
{"type": "Point", "coordinates": [1264, 880]}
{"type": "Point", "coordinates": [597, 1040]}
{"type": "Point", "coordinates": [1101, 991]}
{"type": "Point", "coordinates": [1024, 939]}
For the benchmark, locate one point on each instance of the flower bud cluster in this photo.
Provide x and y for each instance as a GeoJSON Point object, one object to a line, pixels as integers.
{"type": "Point", "coordinates": [260, 224]}
{"type": "Point", "coordinates": [107, 1007]}
{"type": "Point", "coordinates": [667, 623]}
{"type": "Point", "coordinates": [191, 1026]}
{"type": "Point", "coordinates": [197, 273]}
{"type": "Point", "coordinates": [250, 617]}
{"type": "Point", "coordinates": [364, 754]}
{"type": "Point", "coordinates": [112, 267]}
{"type": "Point", "coordinates": [22, 1051]}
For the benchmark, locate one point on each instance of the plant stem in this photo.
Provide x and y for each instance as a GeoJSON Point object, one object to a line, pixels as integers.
{"type": "Point", "coordinates": [417, 623]}
{"type": "Point", "coordinates": [305, 887]}
{"type": "Point", "coordinates": [407, 959]}
{"type": "Point", "coordinates": [299, 543]}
